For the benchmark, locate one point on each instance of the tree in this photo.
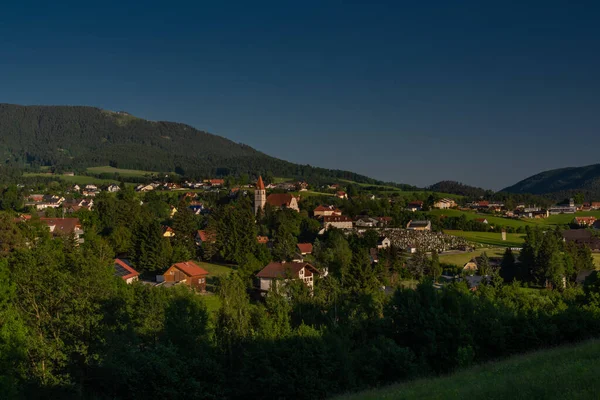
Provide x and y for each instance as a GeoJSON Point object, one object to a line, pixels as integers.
{"type": "Point", "coordinates": [419, 265]}
{"type": "Point", "coordinates": [436, 268]}
{"type": "Point", "coordinates": [508, 270]}
{"type": "Point", "coordinates": [483, 265]}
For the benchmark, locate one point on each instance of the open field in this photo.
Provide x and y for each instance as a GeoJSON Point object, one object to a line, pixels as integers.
{"type": "Point", "coordinates": [568, 372]}
{"type": "Point", "coordinates": [77, 179]}
{"type": "Point", "coordinates": [596, 259]}
{"type": "Point", "coordinates": [215, 269]}
{"type": "Point", "coordinates": [559, 219]}
{"type": "Point", "coordinates": [120, 171]}
{"type": "Point", "coordinates": [490, 238]}
{"type": "Point", "coordinates": [212, 302]}
{"type": "Point", "coordinates": [461, 259]}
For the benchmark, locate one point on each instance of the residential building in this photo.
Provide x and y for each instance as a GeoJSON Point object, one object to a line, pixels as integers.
{"type": "Point", "coordinates": [595, 205]}
{"type": "Point", "coordinates": [216, 182]}
{"type": "Point", "coordinates": [326, 211]}
{"type": "Point", "coordinates": [341, 195]}
{"type": "Point", "coordinates": [366, 222]}
{"type": "Point", "coordinates": [262, 239]}
{"type": "Point", "coordinates": [63, 227]}
{"type": "Point", "coordinates": [277, 273]}
{"type": "Point", "coordinates": [113, 188]}
{"type": "Point", "coordinates": [304, 248]}
{"type": "Point", "coordinates": [124, 271]}
{"type": "Point", "coordinates": [383, 243]}
{"type": "Point", "coordinates": [481, 220]}
{"type": "Point", "coordinates": [188, 273]}
{"type": "Point", "coordinates": [415, 206]}
{"type": "Point", "coordinates": [584, 221]}
{"type": "Point", "coordinates": [167, 231]}
{"type": "Point", "coordinates": [204, 236]}
{"type": "Point", "coordinates": [418, 225]}
{"type": "Point", "coordinates": [337, 221]}
{"type": "Point", "coordinates": [444, 204]}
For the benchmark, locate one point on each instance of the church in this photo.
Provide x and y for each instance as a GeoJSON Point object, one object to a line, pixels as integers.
{"type": "Point", "coordinates": [276, 200]}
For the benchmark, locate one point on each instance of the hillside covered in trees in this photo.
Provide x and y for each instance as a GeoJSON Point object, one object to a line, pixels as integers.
{"type": "Point", "coordinates": [460, 189]}
{"type": "Point", "coordinates": [562, 182]}
{"type": "Point", "coordinates": [68, 137]}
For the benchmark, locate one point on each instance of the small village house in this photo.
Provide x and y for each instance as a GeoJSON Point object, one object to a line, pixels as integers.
{"type": "Point", "coordinates": [326, 211]}
{"type": "Point", "coordinates": [304, 248]}
{"type": "Point", "coordinates": [124, 271]}
{"type": "Point", "coordinates": [283, 200]}
{"type": "Point", "coordinates": [383, 242]}
{"type": "Point", "coordinates": [188, 273]}
{"type": "Point", "coordinates": [337, 221]}
{"type": "Point", "coordinates": [415, 206]}
{"type": "Point", "coordinates": [64, 227]}
{"type": "Point", "coordinates": [276, 273]}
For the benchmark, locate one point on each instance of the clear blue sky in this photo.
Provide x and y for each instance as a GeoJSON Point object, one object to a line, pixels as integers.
{"type": "Point", "coordinates": [413, 92]}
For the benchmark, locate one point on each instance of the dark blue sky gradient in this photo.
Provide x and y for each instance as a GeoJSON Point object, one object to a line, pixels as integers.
{"type": "Point", "coordinates": [413, 92]}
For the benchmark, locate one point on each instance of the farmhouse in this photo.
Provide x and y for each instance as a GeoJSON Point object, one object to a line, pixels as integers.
{"type": "Point", "coordinates": [167, 231]}
{"type": "Point", "coordinates": [283, 200]}
{"type": "Point", "coordinates": [418, 225]}
{"type": "Point", "coordinates": [337, 221]}
{"type": "Point", "coordinates": [281, 272]}
{"type": "Point", "coordinates": [203, 236]}
{"type": "Point", "coordinates": [124, 271]}
{"type": "Point", "coordinates": [188, 273]}
{"type": "Point", "coordinates": [481, 220]}
{"type": "Point", "coordinates": [341, 195]}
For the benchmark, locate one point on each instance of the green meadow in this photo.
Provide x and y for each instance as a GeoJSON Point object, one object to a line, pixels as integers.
{"type": "Point", "coordinates": [563, 373]}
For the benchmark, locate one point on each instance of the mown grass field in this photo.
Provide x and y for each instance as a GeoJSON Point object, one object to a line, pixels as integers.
{"type": "Point", "coordinates": [564, 373]}
{"type": "Point", "coordinates": [490, 238]}
{"type": "Point", "coordinates": [596, 259]}
{"type": "Point", "coordinates": [461, 259]}
{"type": "Point", "coordinates": [120, 171]}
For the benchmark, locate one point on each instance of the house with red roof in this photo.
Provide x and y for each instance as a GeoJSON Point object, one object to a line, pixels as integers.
{"type": "Point", "coordinates": [337, 221]}
{"type": "Point", "coordinates": [415, 206]}
{"type": "Point", "coordinates": [204, 236]}
{"type": "Point", "coordinates": [216, 182]}
{"type": "Point", "coordinates": [276, 273]}
{"type": "Point", "coordinates": [341, 195]}
{"type": "Point", "coordinates": [262, 239]}
{"type": "Point", "coordinates": [283, 200]}
{"type": "Point", "coordinates": [188, 273]}
{"type": "Point", "coordinates": [124, 271]}
{"type": "Point", "coordinates": [167, 231]}
{"type": "Point", "coordinates": [481, 220]}
{"type": "Point", "coordinates": [63, 227]}
{"type": "Point", "coordinates": [584, 221]}
{"type": "Point", "coordinates": [304, 248]}
{"type": "Point", "coordinates": [326, 211]}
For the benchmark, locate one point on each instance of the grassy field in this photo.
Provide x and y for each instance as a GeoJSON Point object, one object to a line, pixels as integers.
{"type": "Point", "coordinates": [564, 219]}
{"type": "Point", "coordinates": [490, 238]}
{"type": "Point", "coordinates": [462, 258]}
{"type": "Point", "coordinates": [212, 302]}
{"type": "Point", "coordinates": [122, 172]}
{"type": "Point", "coordinates": [596, 259]}
{"type": "Point", "coordinates": [568, 372]}
{"type": "Point", "coordinates": [77, 179]}
{"type": "Point", "coordinates": [215, 269]}
{"type": "Point", "coordinates": [515, 223]}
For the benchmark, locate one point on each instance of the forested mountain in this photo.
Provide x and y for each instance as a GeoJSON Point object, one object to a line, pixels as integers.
{"type": "Point", "coordinates": [458, 188]}
{"type": "Point", "coordinates": [78, 137]}
{"type": "Point", "coordinates": [562, 182]}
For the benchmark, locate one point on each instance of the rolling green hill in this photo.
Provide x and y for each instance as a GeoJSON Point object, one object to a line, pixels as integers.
{"type": "Point", "coordinates": [569, 372]}
{"type": "Point", "coordinates": [75, 138]}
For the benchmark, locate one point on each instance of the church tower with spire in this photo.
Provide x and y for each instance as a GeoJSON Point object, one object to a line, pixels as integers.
{"type": "Point", "coordinates": [260, 196]}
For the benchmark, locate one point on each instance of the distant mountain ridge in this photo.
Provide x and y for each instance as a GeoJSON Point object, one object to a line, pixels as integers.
{"type": "Point", "coordinates": [76, 137]}
{"type": "Point", "coordinates": [562, 182]}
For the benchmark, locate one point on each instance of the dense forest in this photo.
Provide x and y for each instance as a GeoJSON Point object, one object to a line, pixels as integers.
{"type": "Point", "coordinates": [461, 189]}
{"type": "Point", "coordinates": [78, 137]}
{"type": "Point", "coordinates": [562, 183]}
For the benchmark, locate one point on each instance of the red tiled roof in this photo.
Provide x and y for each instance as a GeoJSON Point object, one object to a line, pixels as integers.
{"type": "Point", "coordinates": [279, 199]}
{"type": "Point", "coordinates": [305, 248]}
{"type": "Point", "coordinates": [132, 272]}
{"type": "Point", "coordinates": [217, 181]}
{"type": "Point", "coordinates": [327, 208]}
{"type": "Point", "coordinates": [416, 203]}
{"type": "Point", "coordinates": [281, 270]}
{"type": "Point", "coordinates": [62, 225]}
{"type": "Point", "coordinates": [205, 236]}
{"type": "Point", "coordinates": [260, 185]}
{"type": "Point", "coordinates": [480, 219]}
{"type": "Point", "coordinates": [190, 268]}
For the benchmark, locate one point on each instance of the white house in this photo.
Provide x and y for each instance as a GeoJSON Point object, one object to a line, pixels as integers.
{"type": "Point", "coordinates": [277, 273]}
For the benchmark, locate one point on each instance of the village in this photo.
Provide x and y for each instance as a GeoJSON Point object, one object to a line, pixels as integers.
{"type": "Point", "coordinates": [409, 231]}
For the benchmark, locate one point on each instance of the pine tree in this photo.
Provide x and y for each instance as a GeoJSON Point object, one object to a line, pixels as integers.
{"type": "Point", "coordinates": [436, 268]}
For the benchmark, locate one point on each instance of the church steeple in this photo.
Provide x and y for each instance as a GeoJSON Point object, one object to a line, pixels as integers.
{"type": "Point", "coordinates": [260, 195]}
